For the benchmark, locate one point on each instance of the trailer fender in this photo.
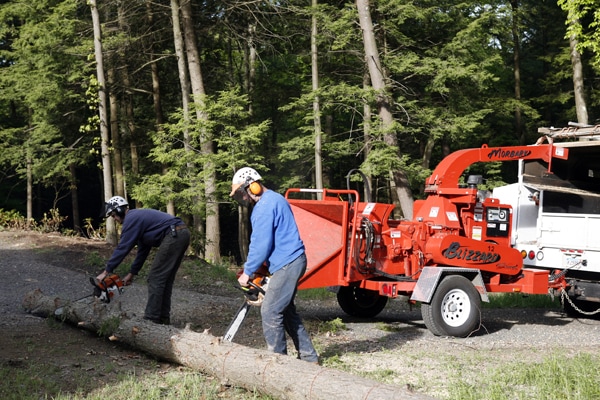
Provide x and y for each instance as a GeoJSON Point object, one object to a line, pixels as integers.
{"type": "Point", "coordinates": [431, 277]}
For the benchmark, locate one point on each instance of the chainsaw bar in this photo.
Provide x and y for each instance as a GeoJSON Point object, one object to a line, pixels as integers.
{"type": "Point", "coordinates": [251, 296]}
{"type": "Point", "coordinates": [240, 316]}
{"type": "Point", "coordinates": [59, 311]}
{"type": "Point", "coordinates": [103, 290]}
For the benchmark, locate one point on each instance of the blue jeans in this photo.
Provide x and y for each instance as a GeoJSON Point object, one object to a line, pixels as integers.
{"type": "Point", "coordinates": [279, 312]}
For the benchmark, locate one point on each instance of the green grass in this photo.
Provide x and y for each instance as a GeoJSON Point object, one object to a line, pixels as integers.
{"type": "Point", "coordinates": [184, 384]}
{"type": "Point", "coordinates": [201, 273]}
{"type": "Point", "coordinates": [315, 294]}
{"type": "Point", "coordinates": [94, 259]}
{"type": "Point", "coordinates": [334, 326]}
{"type": "Point", "coordinates": [35, 383]}
{"type": "Point", "coordinates": [519, 300]}
{"type": "Point", "coordinates": [553, 378]}
{"type": "Point", "coordinates": [25, 382]}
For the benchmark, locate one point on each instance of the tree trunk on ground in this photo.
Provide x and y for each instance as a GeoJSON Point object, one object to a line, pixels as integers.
{"type": "Point", "coordinates": [276, 375]}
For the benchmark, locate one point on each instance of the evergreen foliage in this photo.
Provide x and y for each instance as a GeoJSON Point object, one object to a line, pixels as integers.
{"type": "Point", "coordinates": [449, 69]}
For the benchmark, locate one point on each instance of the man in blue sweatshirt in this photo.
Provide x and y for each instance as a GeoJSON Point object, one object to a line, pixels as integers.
{"type": "Point", "coordinates": [148, 228]}
{"type": "Point", "coordinates": [275, 240]}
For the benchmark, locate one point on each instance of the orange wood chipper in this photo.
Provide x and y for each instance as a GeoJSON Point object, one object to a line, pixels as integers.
{"type": "Point", "coordinates": [462, 242]}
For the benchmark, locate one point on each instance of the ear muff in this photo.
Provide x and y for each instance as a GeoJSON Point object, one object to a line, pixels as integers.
{"type": "Point", "coordinates": [120, 211]}
{"type": "Point", "coordinates": [255, 188]}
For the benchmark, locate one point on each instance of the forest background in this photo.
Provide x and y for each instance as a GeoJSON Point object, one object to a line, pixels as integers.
{"type": "Point", "coordinates": [162, 101]}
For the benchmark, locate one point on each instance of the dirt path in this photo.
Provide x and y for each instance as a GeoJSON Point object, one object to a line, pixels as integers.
{"type": "Point", "coordinates": [396, 347]}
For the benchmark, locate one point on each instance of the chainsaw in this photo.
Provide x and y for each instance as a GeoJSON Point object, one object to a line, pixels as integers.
{"type": "Point", "coordinates": [104, 290]}
{"type": "Point", "coordinates": [253, 296]}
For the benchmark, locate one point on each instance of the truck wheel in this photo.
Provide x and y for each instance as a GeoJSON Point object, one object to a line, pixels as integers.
{"type": "Point", "coordinates": [455, 309]}
{"type": "Point", "coordinates": [359, 302]}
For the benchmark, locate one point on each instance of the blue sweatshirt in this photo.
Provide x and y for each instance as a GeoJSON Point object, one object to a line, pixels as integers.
{"type": "Point", "coordinates": [145, 228]}
{"type": "Point", "coordinates": [275, 237]}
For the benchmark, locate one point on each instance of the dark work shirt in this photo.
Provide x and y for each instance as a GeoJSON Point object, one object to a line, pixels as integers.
{"type": "Point", "coordinates": [145, 228]}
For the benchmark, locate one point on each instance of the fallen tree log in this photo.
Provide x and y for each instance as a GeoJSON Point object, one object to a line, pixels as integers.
{"type": "Point", "coordinates": [279, 376]}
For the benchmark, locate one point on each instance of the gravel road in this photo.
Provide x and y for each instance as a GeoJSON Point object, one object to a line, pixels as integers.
{"type": "Point", "coordinates": [396, 341]}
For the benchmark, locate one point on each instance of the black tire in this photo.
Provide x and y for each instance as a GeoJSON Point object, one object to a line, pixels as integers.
{"type": "Point", "coordinates": [359, 302]}
{"type": "Point", "coordinates": [455, 309]}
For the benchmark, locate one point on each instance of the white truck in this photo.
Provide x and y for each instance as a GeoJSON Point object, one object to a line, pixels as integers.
{"type": "Point", "coordinates": [556, 221]}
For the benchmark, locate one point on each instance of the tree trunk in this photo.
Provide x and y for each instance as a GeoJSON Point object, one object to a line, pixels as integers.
{"type": "Point", "coordinates": [316, 106]}
{"type": "Point", "coordinates": [243, 232]}
{"type": "Point", "coordinates": [250, 56]}
{"type": "Point", "coordinates": [367, 135]}
{"type": "Point", "coordinates": [119, 181]}
{"type": "Point", "coordinates": [131, 129]}
{"type": "Point", "coordinates": [275, 375]}
{"type": "Point", "coordinates": [75, 199]}
{"type": "Point", "coordinates": [29, 162]}
{"type": "Point", "coordinates": [212, 231]}
{"type": "Point", "coordinates": [184, 80]}
{"type": "Point", "coordinates": [111, 231]}
{"type": "Point", "coordinates": [427, 151]}
{"type": "Point", "coordinates": [519, 131]}
{"type": "Point", "coordinates": [157, 102]}
{"type": "Point", "coordinates": [578, 88]}
{"type": "Point", "coordinates": [384, 107]}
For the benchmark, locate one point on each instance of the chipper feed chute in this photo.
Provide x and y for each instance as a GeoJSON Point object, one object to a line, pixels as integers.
{"type": "Point", "coordinates": [323, 227]}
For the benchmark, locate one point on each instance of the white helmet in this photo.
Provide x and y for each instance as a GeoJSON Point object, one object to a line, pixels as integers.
{"type": "Point", "coordinates": [115, 204]}
{"type": "Point", "coordinates": [243, 176]}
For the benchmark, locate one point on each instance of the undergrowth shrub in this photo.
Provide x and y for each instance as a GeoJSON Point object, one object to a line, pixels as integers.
{"type": "Point", "coordinates": [13, 220]}
{"type": "Point", "coordinates": [50, 222]}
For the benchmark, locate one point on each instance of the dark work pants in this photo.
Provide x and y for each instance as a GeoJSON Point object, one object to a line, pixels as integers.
{"type": "Point", "coordinates": [162, 275]}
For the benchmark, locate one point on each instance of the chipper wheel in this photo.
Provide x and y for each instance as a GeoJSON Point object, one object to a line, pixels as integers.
{"type": "Point", "coordinates": [359, 302]}
{"type": "Point", "coordinates": [455, 309]}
